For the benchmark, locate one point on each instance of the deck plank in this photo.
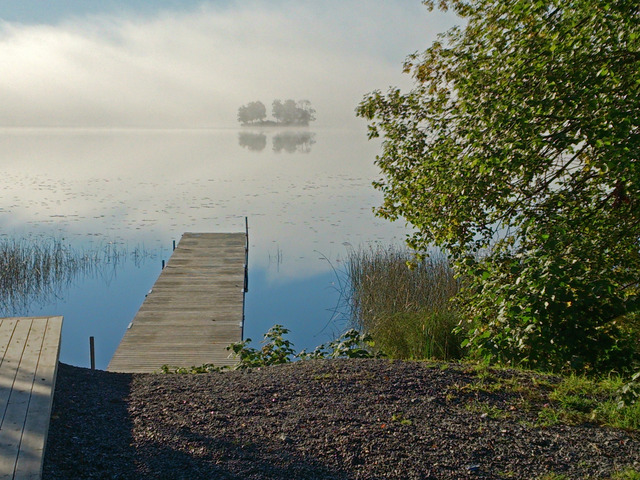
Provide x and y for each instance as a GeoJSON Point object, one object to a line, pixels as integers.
{"type": "Point", "coordinates": [27, 374]}
{"type": "Point", "coordinates": [193, 311]}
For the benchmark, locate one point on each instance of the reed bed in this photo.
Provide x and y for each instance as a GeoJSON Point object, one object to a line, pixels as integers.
{"type": "Point", "coordinates": [35, 270]}
{"type": "Point", "coordinates": [405, 304]}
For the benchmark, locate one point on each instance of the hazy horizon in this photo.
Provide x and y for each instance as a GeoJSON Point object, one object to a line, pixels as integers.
{"type": "Point", "coordinates": [192, 64]}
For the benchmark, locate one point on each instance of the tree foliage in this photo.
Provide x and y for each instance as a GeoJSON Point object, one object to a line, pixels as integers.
{"type": "Point", "coordinates": [291, 112]}
{"type": "Point", "coordinates": [517, 152]}
{"type": "Point", "coordinates": [286, 113]}
{"type": "Point", "coordinates": [252, 112]}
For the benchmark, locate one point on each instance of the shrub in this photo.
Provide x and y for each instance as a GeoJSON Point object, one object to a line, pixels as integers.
{"type": "Point", "coordinates": [547, 308]}
{"type": "Point", "coordinates": [276, 350]}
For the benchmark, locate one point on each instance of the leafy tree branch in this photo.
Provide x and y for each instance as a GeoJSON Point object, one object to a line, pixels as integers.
{"type": "Point", "coordinates": [517, 151]}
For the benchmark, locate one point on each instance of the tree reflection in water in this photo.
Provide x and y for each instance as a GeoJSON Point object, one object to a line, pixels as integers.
{"type": "Point", "coordinates": [255, 142]}
{"type": "Point", "coordinates": [292, 142]}
{"type": "Point", "coordinates": [289, 141]}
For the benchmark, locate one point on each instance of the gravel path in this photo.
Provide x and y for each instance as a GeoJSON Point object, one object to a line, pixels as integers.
{"type": "Point", "coordinates": [324, 419]}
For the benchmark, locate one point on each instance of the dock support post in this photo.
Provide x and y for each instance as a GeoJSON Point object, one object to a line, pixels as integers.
{"type": "Point", "coordinates": [245, 288]}
{"type": "Point", "coordinates": [246, 255]}
{"type": "Point", "coordinates": [92, 353]}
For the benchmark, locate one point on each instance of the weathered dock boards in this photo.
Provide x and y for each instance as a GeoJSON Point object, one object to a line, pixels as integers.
{"type": "Point", "coordinates": [29, 349]}
{"type": "Point", "coordinates": [194, 310]}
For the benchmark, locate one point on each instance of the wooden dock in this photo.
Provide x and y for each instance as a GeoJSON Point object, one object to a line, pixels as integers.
{"type": "Point", "coordinates": [29, 349]}
{"type": "Point", "coordinates": [194, 310]}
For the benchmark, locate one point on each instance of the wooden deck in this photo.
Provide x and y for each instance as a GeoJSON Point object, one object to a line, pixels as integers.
{"type": "Point", "coordinates": [194, 310]}
{"type": "Point", "coordinates": [29, 349]}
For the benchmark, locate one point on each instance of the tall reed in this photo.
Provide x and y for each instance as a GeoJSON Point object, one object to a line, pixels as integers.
{"type": "Point", "coordinates": [404, 303]}
{"type": "Point", "coordinates": [35, 270]}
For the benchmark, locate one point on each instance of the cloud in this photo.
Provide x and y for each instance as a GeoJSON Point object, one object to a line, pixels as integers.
{"type": "Point", "coordinates": [194, 68]}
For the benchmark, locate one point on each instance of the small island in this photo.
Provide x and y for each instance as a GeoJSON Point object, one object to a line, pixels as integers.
{"type": "Point", "coordinates": [287, 113]}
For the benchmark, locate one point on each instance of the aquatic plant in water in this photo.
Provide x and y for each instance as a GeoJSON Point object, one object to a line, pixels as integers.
{"type": "Point", "coordinates": [35, 270]}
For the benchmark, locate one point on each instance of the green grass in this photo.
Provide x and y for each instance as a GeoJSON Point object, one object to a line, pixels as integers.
{"type": "Point", "coordinates": [572, 399]}
{"type": "Point", "coordinates": [487, 410]}
{"type": "Point", "coordinates": [582, 399]}
{"type": "Point", "coordinates": [404, 304]}
{"type": "Point", "coordinates": [626, 474]}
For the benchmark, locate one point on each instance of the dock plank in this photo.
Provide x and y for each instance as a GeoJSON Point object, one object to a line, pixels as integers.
{"type": "Point", "coordinates": [194, 310]}
{"type": "Point", "coordinates": [30, 347]}
{"type": "Point", "coordinates": [37, 421]}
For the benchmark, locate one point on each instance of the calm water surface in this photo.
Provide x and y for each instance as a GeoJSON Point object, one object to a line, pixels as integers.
{"type": "Point", "coordinates": [307, 196]}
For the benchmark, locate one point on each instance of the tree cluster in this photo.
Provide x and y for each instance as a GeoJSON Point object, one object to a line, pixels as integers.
{"type": "Point", "coordinates": [285, 113]}
{"type": "Point", "coordinates": [518, 152]}
{"type": "Point", "coordinates": [252, 112]}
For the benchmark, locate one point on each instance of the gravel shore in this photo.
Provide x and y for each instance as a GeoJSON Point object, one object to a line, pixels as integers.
{"type": "Point", "coordinates": [321, 419]}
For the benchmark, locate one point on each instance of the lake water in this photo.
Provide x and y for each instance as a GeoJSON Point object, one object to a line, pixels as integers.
{"type": "Point", "coordinates": [307, 196]}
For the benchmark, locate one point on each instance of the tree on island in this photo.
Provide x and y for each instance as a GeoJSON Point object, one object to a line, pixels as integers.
{"type": "Point", "coordinates": [290, 112]}
{"type": "Point", "coordinates": [287, 113]}
{"type": "Point", "coordinates": [518, 152]}
{"type": "Point", "coordinates": [253, 112]}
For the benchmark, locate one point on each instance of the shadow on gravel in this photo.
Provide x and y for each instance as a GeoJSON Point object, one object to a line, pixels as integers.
{"type": "Point", "coordinates": [90, 429]}
{"type": "Point", "coordinates": [233, 461]}
{"type": "Point", "coordinates": [91, 437]}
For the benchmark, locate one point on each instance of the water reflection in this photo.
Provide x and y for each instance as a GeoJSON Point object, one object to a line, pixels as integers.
{"type": "Point", "coordinates": [292, 142]}
{"type": "Point", "coordinates": [288, 141]}
{"type": "Point", "coordinates": [34, 272]}
{"type": "Point", "coordinates": [255, 142]}
{"type": "Point", "coordinates": [148, 187]}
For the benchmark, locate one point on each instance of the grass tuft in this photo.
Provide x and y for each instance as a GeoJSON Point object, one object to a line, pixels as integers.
{"type": "Point", "coordinates": [404, 303]}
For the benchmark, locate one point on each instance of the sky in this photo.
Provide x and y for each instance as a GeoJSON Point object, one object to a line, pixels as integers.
{"type": "Point", "coordinates": [191, 64]}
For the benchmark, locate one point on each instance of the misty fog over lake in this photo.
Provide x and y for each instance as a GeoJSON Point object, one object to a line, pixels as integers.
{"type": "Point", "coordinates": [141, 189]}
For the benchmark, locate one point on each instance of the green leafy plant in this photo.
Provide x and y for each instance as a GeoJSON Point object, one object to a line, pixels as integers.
{"type": "Point", "coordinates": [519, 139]}
{"type": "Point", "coordinates": [351, 344]}
{"type": "Point", "coordinates": [629, 393]}
{"type": "Point", "coordinates": [204, 368]}
{"type": "Point", "coordinates": [277, 350]}
{"type": "Point", "coordinates": [546, 308]}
